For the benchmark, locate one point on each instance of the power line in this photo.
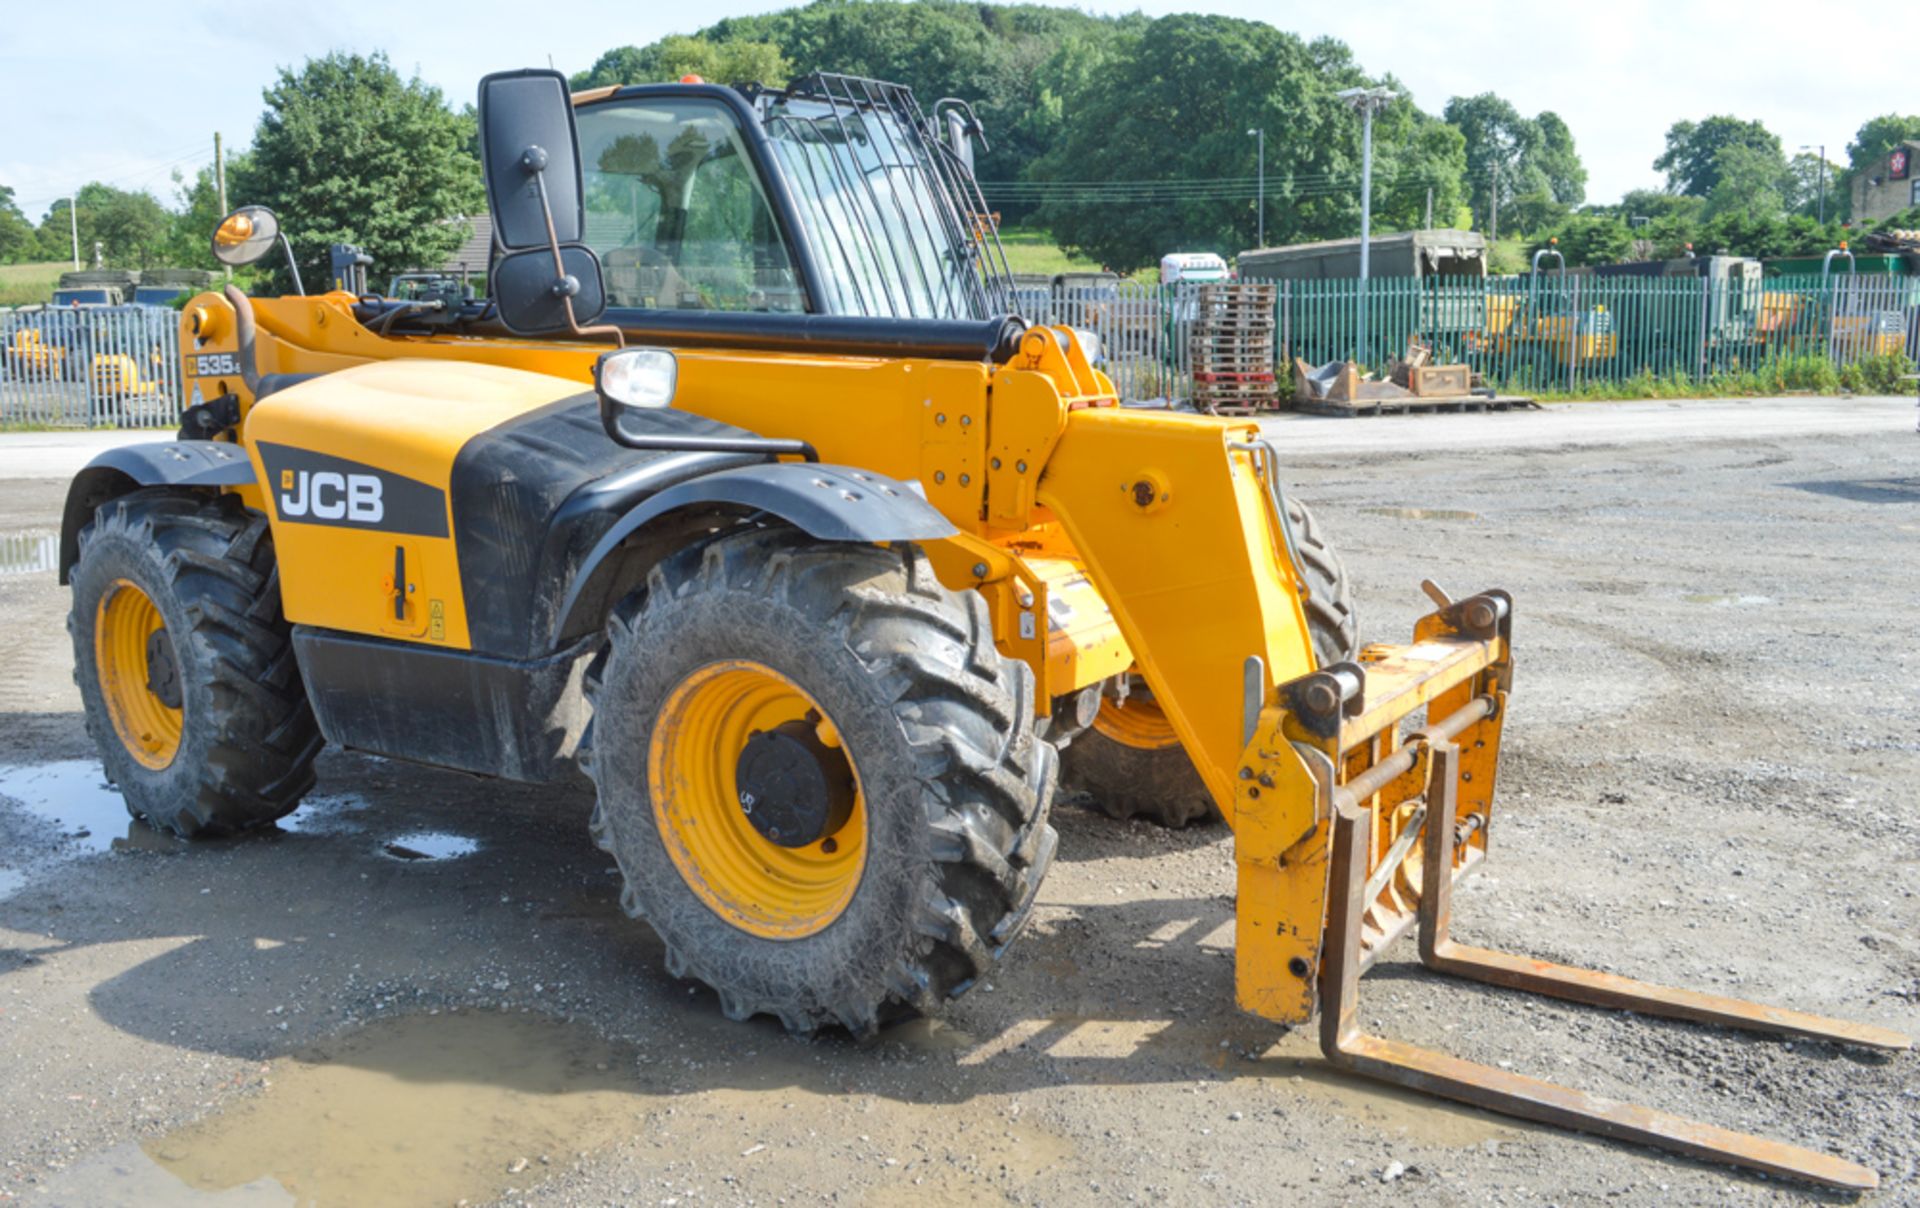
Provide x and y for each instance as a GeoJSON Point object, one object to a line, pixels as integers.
{"type": "Point", "coordinates": [127, 174]}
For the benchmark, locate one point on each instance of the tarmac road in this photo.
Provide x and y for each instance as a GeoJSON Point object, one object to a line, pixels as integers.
{"type": "Point", "coordinates": [422, 990]}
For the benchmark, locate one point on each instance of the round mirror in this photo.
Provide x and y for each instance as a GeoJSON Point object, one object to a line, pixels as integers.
{"type": "Point", "coordinates": [245, 235]}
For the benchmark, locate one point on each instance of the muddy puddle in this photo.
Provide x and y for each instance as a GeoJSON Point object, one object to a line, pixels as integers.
{"type": "Point", "coordinates": [1423, 513]}
{"type": "Point", "coordinates": [425, 1109]}
{"type": "Point", "coordinates": [29, 553]}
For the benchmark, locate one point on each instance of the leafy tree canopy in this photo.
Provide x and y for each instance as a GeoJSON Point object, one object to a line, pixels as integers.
{"type": "Point", "coordinates": [18, 241]}
{"type": "Point", "coordinates": [1139, 117]}
{"type": "Point", "coordinates": [348, 152]}
{"type": "Point", "coordinates": [1692, 159]}
{"type": "Point", "coordinates": [1527, 156]}
{"type": "Point", "coordinates": [733, 61]}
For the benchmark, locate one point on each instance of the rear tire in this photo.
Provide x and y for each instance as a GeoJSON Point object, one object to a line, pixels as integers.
{"type": "Point", "coordinates": [1130, 762]}
{"type": "Point", "coordinates": [953, 789]}
{"type": "Point", "coordinates": [186, 666]}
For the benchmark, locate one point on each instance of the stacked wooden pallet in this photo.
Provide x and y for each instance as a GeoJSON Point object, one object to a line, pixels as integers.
{"type": "Point", "coordinates": [1231, 348]}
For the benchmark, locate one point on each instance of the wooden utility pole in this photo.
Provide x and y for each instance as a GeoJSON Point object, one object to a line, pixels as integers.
{"type": "Point", "coordinates": [1494, 202]}
{"type": "Point", "coordinates": [220, 183]}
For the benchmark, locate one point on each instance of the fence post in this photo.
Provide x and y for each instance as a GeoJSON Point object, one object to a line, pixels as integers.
{"type": "Point", "coordinates": [1706, 296]}
{"type": "Point", "coordinates": [1573, 341]}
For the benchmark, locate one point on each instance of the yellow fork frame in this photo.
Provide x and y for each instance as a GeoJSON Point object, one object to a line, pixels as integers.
{"type": "Point", "coordinates": [1389, 825]}
{"type": "Point", "coordinates": [1348, 834]}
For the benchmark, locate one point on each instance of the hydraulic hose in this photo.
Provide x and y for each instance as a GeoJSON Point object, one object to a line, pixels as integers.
{"type": "Point", "coordinates": [245, 329]}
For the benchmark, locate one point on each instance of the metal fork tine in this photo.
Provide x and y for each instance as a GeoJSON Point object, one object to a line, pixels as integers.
{"type": "Point", "coordinates": [1440, 953]}
{"type": "Point", "coordinates": [1348, 1047]}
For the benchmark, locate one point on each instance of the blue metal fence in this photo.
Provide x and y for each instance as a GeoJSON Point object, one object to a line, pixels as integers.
{"type": "Point", "coordinates": [90, 366]}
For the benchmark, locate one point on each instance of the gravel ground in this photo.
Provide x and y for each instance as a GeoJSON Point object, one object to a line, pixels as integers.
{"type": "Point", "coordinates": [1708, 782]}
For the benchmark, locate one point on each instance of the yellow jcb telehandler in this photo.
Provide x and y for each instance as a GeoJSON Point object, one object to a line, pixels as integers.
{"type": "Point", "coordinates": [744, 492]}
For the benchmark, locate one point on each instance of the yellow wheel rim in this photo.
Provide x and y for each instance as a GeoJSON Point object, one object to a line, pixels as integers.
{"type": "Point", "coordinates": [754, 883]}
{"type": "Point", "coordinates": [1140, 722]}
{"type": "Point", "coordinates": [128, 634]}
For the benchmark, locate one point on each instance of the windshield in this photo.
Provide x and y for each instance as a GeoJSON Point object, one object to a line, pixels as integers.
{"type": "Point", "coordinates": [157, 295]}
{"type": "Point", "coordinates": [677, 212]}
{"type": "Point", "coordinates": [74, 297]}
{"type": "Point", "coordinates": [888, 213]}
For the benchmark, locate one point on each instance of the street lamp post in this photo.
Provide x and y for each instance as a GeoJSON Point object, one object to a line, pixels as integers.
{"type": "Point", "coordinates": [1260, 188]}
{"type": "Point", "coordinates": [1368, 101]}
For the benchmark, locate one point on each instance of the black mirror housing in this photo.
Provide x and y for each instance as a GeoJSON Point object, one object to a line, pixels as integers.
{"type": "Point", "coordinates": [547, 281]}
{"type": "Point", "coordinates": [533, 301]}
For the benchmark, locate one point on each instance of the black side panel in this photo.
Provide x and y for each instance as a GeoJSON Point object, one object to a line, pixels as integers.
{"type": "Point", "coordinates": [184, 463]}
{"type": "Point", "coordinates": [533, 495]}
{"type": "Point", "coordinates": [521, 720]}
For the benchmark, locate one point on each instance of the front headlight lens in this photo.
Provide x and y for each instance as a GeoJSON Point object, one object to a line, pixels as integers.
{"type": "Point", "coordinates": [638, 377]}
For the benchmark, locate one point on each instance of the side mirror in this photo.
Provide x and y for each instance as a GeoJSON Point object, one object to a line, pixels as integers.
{"type": "Point", "coordinates": [546, 280]}
{"type": "Point", "coordinates": [245, 236]}
{"type": "Point", "coordinates": [248, 234]}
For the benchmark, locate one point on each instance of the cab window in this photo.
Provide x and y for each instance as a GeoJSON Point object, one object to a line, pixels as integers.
{"type": "Point", "coordinates": [677, 212]}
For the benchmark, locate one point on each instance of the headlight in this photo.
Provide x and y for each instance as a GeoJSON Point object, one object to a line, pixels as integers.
{"type": "Point", "coordinates": [638, 377]}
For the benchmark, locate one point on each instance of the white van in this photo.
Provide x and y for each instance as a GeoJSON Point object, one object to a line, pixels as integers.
{"type": "Point", "coordinates": [1176, 267]}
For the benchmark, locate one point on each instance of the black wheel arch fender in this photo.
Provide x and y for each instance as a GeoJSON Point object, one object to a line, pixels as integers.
{"type": "Point", "coordinates": [115, 472]}
{"type": "Point", "coordinates": [827, 502]}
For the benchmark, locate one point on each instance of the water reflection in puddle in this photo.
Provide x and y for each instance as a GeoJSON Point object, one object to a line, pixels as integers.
{"type": "Point", "coordinates": [28, 553]}
{"type": "Point", "coordinates": [1423, 513]}
{"type": "Point", "coordinates": [430, 845]}
{"type": "Point", "coordinates": [73, 795]}
{"type": "Point", "coordinates": [424, 1109]}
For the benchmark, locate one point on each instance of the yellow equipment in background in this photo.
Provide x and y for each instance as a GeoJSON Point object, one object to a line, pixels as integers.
{"type": "Point", "coordinates": [814, 558]}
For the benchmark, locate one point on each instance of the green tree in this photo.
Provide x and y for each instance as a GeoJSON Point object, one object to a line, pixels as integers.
{"type": "Point", "coordinates": [1807, 177]}
{"type": "Point", "coordinates": [1141, 118]}
{"type": "Point", "coordinates": [1014, 63]}
{"type": "Point", "coordinates": [128, 228]}
{"type": "Point", "coordinates": [190, 237]}
{"type": "Point", "coordinates": [348, 152]}
{"type": "Point", "coordinates": [18, 241]}
{"type": "Point", "coordinates": [1535, 214]}
{"type": "Point", "coordinates": [1877, 138]}
{"type": "Point", "coordinates": [1525, 156]}
{"type": "Point", "coordinates": [733, 61]}
{"type": "Point", "coordinates": [1692, 159]}
{"type": "Point", "coordinates": [1748, 180]}
{"type": "Point", "coordinates": [1587, 239]}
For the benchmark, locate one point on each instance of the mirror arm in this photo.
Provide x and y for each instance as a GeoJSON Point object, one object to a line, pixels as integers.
{"type": "Point", "coordinates": [560, 266]}
{"type": "Point", "coordinates": [287, 246]}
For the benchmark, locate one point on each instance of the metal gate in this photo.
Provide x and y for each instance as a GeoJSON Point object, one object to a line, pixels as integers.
{"type": "Point", "coordinates": [90, 367]}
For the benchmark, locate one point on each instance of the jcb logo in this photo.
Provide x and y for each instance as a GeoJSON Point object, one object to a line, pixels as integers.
{"type": "Point", "coordinates": [309, 487]}
{"type": "Point", "coordinates": [326, 495]}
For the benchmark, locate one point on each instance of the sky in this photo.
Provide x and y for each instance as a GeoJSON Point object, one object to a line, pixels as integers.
{"type": "Point", "coordinates": [116, 95]}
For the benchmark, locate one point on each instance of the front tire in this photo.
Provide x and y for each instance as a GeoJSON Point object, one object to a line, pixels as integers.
{"type": "Point", "coordinates": [844, 665]}
{"type": "Point", "coordinates": [1131, 763]}
{"type": "Point", "coordinates": [186, 666]}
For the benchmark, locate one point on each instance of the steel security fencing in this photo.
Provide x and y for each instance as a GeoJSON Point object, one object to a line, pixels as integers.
{"type": "Point", "coordinates": [90, 367]}
{"type": "Point", "coordinates": [1547, 332]}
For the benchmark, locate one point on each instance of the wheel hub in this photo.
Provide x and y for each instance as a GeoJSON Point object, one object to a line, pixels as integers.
{"type": "Point", "coordinates": [794, 789]}
{"type": "Point", "coordinates": [163, 671]}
